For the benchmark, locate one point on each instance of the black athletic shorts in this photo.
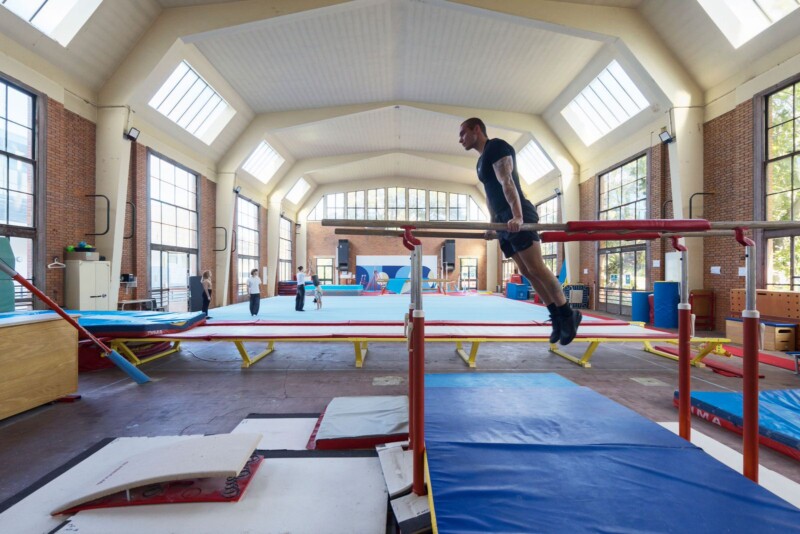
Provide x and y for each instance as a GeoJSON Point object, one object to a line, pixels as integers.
{"type": "Point", "coordinates": [510, 243]}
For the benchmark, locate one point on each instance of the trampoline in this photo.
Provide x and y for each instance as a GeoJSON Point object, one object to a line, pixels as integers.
{"type": "Point", "coordinates": [778, 415]}
{"type": "Point", "coordinates": [360, 334]}
{"type": "Point", "coordinates": [518, 458]}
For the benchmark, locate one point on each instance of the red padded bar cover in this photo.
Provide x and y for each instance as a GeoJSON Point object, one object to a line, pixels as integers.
{"type": "Point", "coordinates": [563, 237]}
{"type": "Point", "coordinates": [663, 225]}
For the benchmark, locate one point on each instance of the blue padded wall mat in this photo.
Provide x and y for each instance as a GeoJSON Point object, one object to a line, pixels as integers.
{"type": "Point", "coordinates": [778, 411]}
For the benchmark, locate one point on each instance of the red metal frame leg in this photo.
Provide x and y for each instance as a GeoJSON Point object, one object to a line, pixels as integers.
{"type": "Point", "coordinates": [750, 393]}
{"type": "Point", "coordinates": [418, 432]}
{"type": "Point", "coordinates": [684, 371]}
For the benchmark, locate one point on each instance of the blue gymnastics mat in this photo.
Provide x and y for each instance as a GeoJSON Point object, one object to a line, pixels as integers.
{"type": "Point", "coordinates": [567, 459]}
{"type": "Point", "coordinates": [778, 414]}
{"type": "Point", "coordinates": [477, 308]}
{"type": "Point", "coordinates": [497, 380]}
{"type": "Point", "coordinates": [127, 323]}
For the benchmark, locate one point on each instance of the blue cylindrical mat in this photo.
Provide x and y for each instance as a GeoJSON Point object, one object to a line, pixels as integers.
{"type": "Point", "coordinates": [666, 296]}
{"type": "Point", "coordinates": [640, 307]}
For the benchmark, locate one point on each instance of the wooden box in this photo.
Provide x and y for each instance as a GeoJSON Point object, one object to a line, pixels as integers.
{"type": "Point", "coordinates": [779, 336]}
{"type": "Point", "coordinates": [733, 331]}
{"type": "Point", "coordinates": [38, 362]}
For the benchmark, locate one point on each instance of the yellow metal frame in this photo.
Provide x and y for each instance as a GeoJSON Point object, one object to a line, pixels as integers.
{"type": "Point", "coordinates": [120, 346]}
{"type": "Point", "coordinates": [705, 346]}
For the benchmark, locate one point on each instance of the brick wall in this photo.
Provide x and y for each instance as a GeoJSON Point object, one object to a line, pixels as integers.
{"type": "Point", "coordinates": [728, 173]}
{"type": "Point", "coordinates": [207, 214]}
{"type": "Point", "coordinates": [70, 164]}
{"type": "Point", "coordinates": [134, 249]}
{"type": "Point", "coordinates": [588, 255]}
{"type": "Point", "coordinates": [660, 205]}
{"type": "Point", "coordinates": [322, 241]}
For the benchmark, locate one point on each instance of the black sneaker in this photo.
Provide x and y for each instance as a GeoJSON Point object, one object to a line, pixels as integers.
{"type": "Point", "coordinates": [555, 335]}
{"type": "Point", "coordinates": [569, 327]}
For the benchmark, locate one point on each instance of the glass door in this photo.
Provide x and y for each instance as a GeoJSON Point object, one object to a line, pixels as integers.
{"type": "Point", "coordinates": [621, 272]}
{"type": "Point", "coordinates": [324, 270]}
{"type": "Point", "coordinates": [169, 278]}
{"type": "Point", "coordinates": [469, 273]}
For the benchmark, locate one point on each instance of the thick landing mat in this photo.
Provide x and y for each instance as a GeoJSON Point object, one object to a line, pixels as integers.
{"type": "Point", "coordinates": [126, 323]}
{"type": "Point", "coordinates": [571, 460]}
{"type": "Point", "coordinates": [279, 432]}
{"type": "Point", "coordinates": [361, 422]}
{"type": "Point", "coordinates": [778, 415]}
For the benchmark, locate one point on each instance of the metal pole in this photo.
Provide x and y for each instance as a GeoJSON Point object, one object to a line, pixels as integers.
{"type": "Point", "coordinates": [411, 375]}
{"type": "Point", "coordinates": [684, 350]}
{"type": "Point", "coordinates": [750, 318]}
{"type": "Point", "coordinates": [418, 370]}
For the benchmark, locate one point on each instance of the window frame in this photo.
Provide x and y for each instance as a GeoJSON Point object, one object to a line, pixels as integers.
{"type": "Point", "coordinates": [246, 262]}
{"type": "Point", "coordinates": [37, 233]}
{"type": "Point", "coordinates": [624, 246]}
{"type": "Point", "coordinates": [760, 161]}
{"type": "Point", "coordinates": [282, 261]}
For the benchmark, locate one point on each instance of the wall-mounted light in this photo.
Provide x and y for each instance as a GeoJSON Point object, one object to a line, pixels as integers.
{"type": "Point", "coordinates": [132, 135]}
{"type": "Point", "coordinates": [666, 137]}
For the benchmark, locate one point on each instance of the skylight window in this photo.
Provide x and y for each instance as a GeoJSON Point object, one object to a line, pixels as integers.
{"type": "Point", "coordinates": [188, 101]}
{"type": "Point", "coordinates": [532, 163]}
{"type": "Point", "coordinates": [58, 19]}
{"type": "Point", "coordinates": [298, 191]}
{"type": "Point", "coordinates": [608, 101]}
{"type": "Point", "coordinates": [264, 162]}
{"type": "Point", "coordinates": [741, 20]}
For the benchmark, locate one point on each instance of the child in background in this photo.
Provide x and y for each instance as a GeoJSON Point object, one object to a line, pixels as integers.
{"type": "Point", "coordinates": [317, 291]}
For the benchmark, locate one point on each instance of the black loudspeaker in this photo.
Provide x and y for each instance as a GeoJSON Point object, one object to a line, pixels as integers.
{"type": "Point", "coordinates": [449, 253]}
{"type": "Point", "coordinates": [343, 255]}
{"type": "Point", "coordinates": [195, 294]}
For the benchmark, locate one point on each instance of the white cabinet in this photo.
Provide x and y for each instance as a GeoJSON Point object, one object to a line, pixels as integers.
{"type": "Point", "coordinates": [87, 285]}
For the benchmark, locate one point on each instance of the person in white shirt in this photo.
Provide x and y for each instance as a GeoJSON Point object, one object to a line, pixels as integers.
{"type": "Point", "coordinates": [254, 290]}
{"type": "Point", "coordinates": [300, 299]}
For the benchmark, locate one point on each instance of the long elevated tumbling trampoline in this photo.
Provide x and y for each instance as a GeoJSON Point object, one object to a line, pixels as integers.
{"type": "Point", "coordinates": [567, 459]}
{"type": "Point", "coordinates": [361, 334]}
{"type": "Point", "coordinates": [471, 320]}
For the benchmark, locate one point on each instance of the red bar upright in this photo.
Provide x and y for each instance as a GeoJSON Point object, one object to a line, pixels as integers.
{"type": "Point", "coordinates": [750, 393]}
{"type": "Point", "coordinates": [684, 371]}
{"type": "Point", "coordinates": [418, 432]}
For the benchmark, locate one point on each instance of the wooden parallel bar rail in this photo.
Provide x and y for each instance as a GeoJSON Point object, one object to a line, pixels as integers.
{"type": "Point", "coordinates": [484, 226]}
{"type": "Point", "coordinates": [482, 235]}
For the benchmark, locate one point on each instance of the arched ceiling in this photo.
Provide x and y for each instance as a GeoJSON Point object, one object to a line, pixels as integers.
{"type": "Point", "coordinates": [410, 69]}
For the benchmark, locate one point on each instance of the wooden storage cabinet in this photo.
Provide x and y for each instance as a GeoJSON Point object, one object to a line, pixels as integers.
{"type": "Point", "coordinates": [38, 362]}
{"type": "Point", "coordinates": [87, 285]}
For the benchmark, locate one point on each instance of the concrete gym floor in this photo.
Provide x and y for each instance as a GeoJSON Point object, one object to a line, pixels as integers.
{"type": "Point", "coordinates": [203, 390]}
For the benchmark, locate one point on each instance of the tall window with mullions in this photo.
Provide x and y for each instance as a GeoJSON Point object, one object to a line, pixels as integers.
{"type": "Point", "coordinates": [782, 187]}
{"type": "Point", "coordinates": [247, 238]}
{"type": "Point", "coordinates": [285, 273]}
{"type": "Point", "coordinates": [173, 232]}
{"type": "Point", "coordinates": [548, 213]}
{"type": "Point", "coordinates": [622, 265]}
{"type": "Point", "coordinates": [18, 179]}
